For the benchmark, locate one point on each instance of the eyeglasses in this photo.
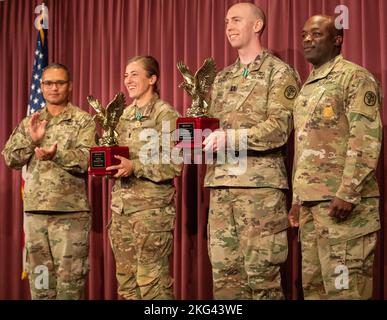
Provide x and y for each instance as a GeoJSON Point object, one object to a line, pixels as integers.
{"type": "Point", "coordinates": [50, 84]}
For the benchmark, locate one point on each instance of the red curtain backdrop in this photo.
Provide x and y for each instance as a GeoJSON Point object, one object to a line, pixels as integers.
{"type": "Point", "coordinates": [95, 38]}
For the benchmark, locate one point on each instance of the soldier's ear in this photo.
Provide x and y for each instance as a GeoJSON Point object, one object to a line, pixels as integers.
{"type": "Point", "coordinates": [153, 80]}
{"type": "Point", "coordinates": [70, 86]}
{"type": "Point", "coordinates": [338, 41]}
{"type": "Point", "coordinates": [258, 25]}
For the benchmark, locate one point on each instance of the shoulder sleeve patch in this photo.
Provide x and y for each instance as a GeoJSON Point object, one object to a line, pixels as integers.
{"type": "Point", "coordinates": [370, 98]}
{"type": "Point", "coordinates": [290, 92]}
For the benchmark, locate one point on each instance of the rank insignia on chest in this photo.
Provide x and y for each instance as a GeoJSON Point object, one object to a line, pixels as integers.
{"type": "Point", "coordinates": [233, 89]}
{"type": "Point", "coordinates": [328, 112]}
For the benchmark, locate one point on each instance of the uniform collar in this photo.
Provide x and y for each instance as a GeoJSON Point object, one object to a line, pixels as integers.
{"type": "Point", "coordinates": [323, 71]}
{"type": "Point", "coordinates": [63, 116]}
{"type": "Point", "coordinates": [253, 66]}
{"type": "Point", "coordinates": [144, 111]}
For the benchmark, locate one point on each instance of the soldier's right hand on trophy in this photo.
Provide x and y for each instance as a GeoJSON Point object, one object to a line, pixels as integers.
{"type": "Point", "coordinates": [36, 128]}
{"type": "Point", "coordinates": [125, 167]}
{"type": "Point", "coordinates": [215, 142]}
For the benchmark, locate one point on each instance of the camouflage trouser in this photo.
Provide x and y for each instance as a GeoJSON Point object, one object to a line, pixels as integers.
{"type": "Point", "coordinates": [142, 245]}
{"type": "Point", "coordinates": [57, 254]}
{"type": "Point", "coordinates": [337, 257]}
{"type": "Point", "coordinates": [247, 242]}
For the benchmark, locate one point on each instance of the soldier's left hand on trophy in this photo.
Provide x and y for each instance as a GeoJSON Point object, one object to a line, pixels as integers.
{"type": "Point", "coordinates": [216, 141]}
{"type": "Point", "coordinates": [124, 169]}
{"type": "Point", "coordinates": [340, 209]}
{"type": "Point", "coordinates": [45, 154]}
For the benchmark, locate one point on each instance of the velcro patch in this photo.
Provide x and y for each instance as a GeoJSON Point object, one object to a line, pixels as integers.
{"type": "Point", "coordinates": [370, 98]}
{"type": "Point", "coordinates": [290, 92]}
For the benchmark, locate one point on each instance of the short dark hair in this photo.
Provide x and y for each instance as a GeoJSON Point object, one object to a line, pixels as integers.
{"type": "Point", "coordinates": [56, 65]}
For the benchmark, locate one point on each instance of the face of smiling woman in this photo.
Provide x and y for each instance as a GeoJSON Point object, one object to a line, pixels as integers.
{"type": "Point", "coordinates": [139, 85]}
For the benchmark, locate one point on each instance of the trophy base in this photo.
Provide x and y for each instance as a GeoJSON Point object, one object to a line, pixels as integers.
{"type": "Point", "coordinates": [192, 131]}
{"type": "Point", "coordinates": [103, 157]}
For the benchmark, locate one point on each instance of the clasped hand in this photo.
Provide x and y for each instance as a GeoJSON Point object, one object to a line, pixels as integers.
{"type": "Point", "coordinates": [37, 129]}
{"type": "Point", "coordinates": [46, 153]}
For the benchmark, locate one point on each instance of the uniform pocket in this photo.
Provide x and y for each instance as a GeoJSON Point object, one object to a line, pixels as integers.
{"type": "Point", "coordinates": [67, 137]}
{"type": "Point", "coordinates": [279, 250]}
{"type": "Point", "coordinates": [155, 246]}
{"type": "Point", "coordinates": [164, 220]}
{"type": "Point", "coordinates": [148, 124]}
{"type": "Point", "coordinates": [274, 248]}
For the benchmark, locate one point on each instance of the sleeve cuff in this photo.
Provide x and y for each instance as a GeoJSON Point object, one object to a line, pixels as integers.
{"type": "Point", "coordinates": [137, 168]}
{"type": "Point", "coordinates": [31, 143]}
{"type": "Point", "coordinates": [296, 200]}
{"type": "Point", "coordinates": [233, 140]}
{"type": "Point", "coordinates": [57, 157]}
{"type": "Point", "coordinates": [348, 196]}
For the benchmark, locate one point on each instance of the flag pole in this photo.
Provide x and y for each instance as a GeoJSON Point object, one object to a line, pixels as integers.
{"type": "Point", "coordinates": [36, 102]}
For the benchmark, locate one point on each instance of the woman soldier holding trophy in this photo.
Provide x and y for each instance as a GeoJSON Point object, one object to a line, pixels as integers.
{"type": "Point", "coordinates": [143, 211]}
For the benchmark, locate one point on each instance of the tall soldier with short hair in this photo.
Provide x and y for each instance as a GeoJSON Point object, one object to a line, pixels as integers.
{"type": "Point", "coordinates": [248, 216]}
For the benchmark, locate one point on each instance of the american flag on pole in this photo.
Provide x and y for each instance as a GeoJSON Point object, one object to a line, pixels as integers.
{"type": "Point", "coordinates": [36, 101]}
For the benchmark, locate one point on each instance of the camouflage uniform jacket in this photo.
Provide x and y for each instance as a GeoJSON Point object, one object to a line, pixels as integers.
{"type": "Point", "coordinates": [338, 134]}
{"type": "Point", "coordinates": [151, 185]}
{"type": "Point", "coordinates": [262, 104]}
{"type": "Point", "coordinates": [60, 183]}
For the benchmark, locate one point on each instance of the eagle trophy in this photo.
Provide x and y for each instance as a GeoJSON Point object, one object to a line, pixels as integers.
{"type": "Point", "coordinates": [197, 86]}
{"type": "Point", "coordinates": [108, 118]}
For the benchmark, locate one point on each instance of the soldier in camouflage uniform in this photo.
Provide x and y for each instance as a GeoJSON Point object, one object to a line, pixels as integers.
{"type": "Point", "coordinates": [54, 146]}
{"type": "Point", "coordinates": [248, 217]}
{"type": "Point", "coordinates": [338, 136]}
{"type": "Point", "coordinates": [143, 211]}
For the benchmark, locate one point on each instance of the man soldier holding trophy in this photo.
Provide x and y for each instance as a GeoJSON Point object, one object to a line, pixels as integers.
{"type": "Point", "coordinates": [54, 145]}
{"type": "Point", "coordinates": [253, 98]}
{"type": "Point", "coordinates": [143, 210]}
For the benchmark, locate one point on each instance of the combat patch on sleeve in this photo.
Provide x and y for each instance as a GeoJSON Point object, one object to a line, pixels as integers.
{"type": "Point", "coordinates": [290, 92]}
{"type": "Point", "coordinates": [370, 98]}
